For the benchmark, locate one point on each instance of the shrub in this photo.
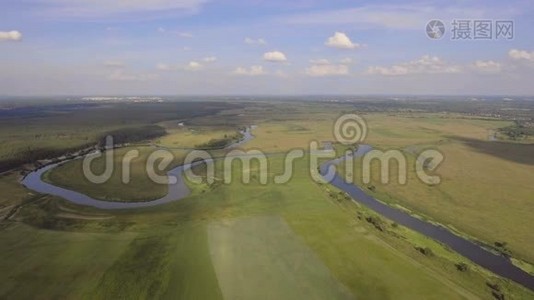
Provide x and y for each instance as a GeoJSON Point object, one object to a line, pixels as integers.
{"type": "Point", "coordinates": [462, 267]}
{"type": "Point", "coordinates": [426, 251]}
{"type": "Point", "coordinates": [376, 221]}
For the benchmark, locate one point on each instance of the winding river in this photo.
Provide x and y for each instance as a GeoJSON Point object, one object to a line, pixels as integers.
{"type": "Point", "coordinates": [498, 264]}
{"type": "Point", "coordinates": [175, 192]}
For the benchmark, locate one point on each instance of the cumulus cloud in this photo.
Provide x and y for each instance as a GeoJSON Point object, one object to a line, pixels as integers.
{"type": "Point", "coordinates": [341, 41]}
{"type": "Point", "coordinates": [274, 56]}
{"type": "Point", "coordinates": [487, 66]}
{"type": "Point", "coordinates": [13, 35]}
{"type": "Point", "coordinates": [252, 71]}
{"type": "Point", "coordinates": [258, 41]}
{"type": "Point", "coordinates": [194, 66]}
{"type": "Point", "coordinates": [323, 68]}
{"type": "Point", "coordinates": [425, 65]}
{"type": "Point", "coordinates": [516, 54]}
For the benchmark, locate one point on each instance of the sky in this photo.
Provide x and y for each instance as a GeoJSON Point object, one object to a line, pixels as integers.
{"type": "Point", "coordinates": [278, 47]}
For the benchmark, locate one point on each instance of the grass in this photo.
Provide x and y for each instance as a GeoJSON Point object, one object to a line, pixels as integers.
{"type": "Point", "coordinates": [473, 207]}
{"type": "Point", "coordinates": [485, 189]}
{"type": "Point", "coordinates": [241, 247]}
{"type": "Point", "coordinates": [140, 187]}
{"type": "Point", "coordinates": [123, 278]}
{"type": "Point", "coordinates": [173, 246]}
{"type": "Point", "coordinates": [192, 136]}
{"type": "Point", "coordinates": [56, 264]}
{"type": "Point", "coordinates": [176, 250]}
{"type": "Point", "coordinates": [48, 130]}
{"type": "Point", "coordinates": [15, 193]}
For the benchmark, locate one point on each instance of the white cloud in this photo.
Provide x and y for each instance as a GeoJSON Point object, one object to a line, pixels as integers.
{"type": "Point", "coordinates": [341, 41]}
{"type": "Point", "coordinates": [252, 71]}
{"type": "Point", "coordinates": [274, 56]}
{"type": "Point", "coordinates": [487, 66]}
{"type": "Point", "coordinates": [191, 66]}
{"type": "Point", "coordinates": [324, 68]}
{"type": "Point", "coordinates": [13, 35]}
{"type": "Point", "coordinates": [258, 41]}
{"type": "Point", "coordinates": [516, 54]}
{"type": "Point", "coordinates": [194, 66]}
{"type": "Point", "coordinates": [209, 59]}
{"type": "Point", "coordinates": [425, 65]}
{"type": "Point", "coordinates": [161, 30]}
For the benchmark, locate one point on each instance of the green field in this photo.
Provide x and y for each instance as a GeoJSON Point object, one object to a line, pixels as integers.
{"type": "Point", "coordinates": [283, 241]}
{"type": "Point", "coordinates": [249, 254]}
{"type": "Point", "coordinates": [171, 251]}
{"type": "Point", "coordinates": [485, 190]}
{"type": "Point", "coordinates": [139, 188]}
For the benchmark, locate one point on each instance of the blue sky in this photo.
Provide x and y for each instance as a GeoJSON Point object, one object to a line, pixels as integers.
{"type": "Point", "coordinates": [165, 47]}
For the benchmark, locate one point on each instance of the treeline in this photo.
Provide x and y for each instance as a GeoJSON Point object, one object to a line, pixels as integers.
{"type": "Point", "coordinates": [120, 136]}
{"type": "Point", "coordinates": [133, 135]}
{"type": "Point", "coordinates": [520, 130]}
{"type": "Point", "coordinates": [215, 144]}
{"type": "Point", "coordinates": [31, 155]}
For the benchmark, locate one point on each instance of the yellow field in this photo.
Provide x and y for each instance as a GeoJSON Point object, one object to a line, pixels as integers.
{"type": "Point", "coordinates": [184, 136]}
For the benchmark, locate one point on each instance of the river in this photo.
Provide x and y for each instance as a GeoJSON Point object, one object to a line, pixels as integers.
{"type": "Point", "coordinates": [498, 264]}
{"type": "Point", "coordinates": [175, 192]}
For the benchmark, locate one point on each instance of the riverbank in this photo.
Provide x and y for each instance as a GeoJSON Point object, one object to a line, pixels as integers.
{"type": "Point", "coordinates": [497, 264]}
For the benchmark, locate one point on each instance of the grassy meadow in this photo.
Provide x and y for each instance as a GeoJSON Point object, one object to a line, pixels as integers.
{"type": "Point", "coordinates": [485, 189]}
{"type": "Point", "coordinates": [139, 188]}
{"type": "Point", "coordinates": [283, 241]}
{"type": "Point", "coordinates": [180, 250]}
